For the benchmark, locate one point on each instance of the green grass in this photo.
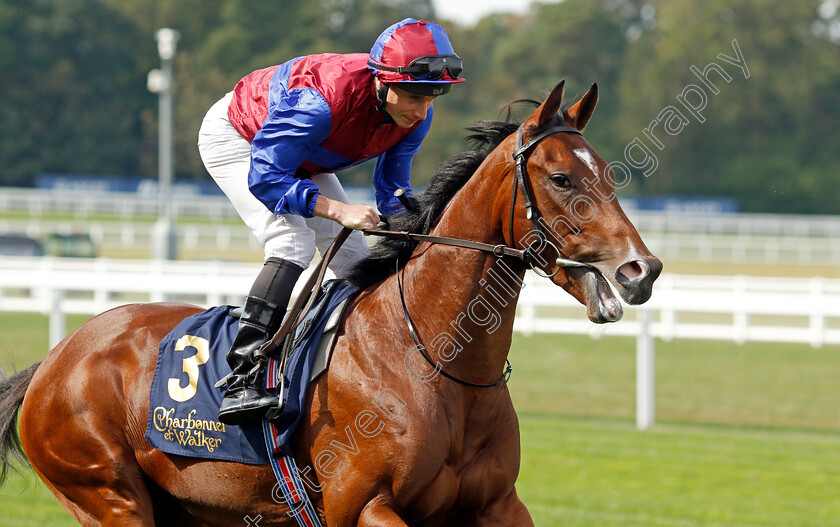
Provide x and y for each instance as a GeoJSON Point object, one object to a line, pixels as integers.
{"type": "Point", "coordinates": [791, 269]}
{"type": "Point", "coordinates": [26, 502]}
{"type": "Point", "coordinates": [755, 384]}
{"type": "Point", "coordinates": [746, 435]}
{"type": "Point", "coordinates": [595, 472]}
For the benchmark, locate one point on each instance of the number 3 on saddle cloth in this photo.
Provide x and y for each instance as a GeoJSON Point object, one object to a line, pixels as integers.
{"type": "Point", "coordinates": [184, 399]}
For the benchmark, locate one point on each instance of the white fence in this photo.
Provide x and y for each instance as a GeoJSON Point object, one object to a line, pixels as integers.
{"type": "Point", "coordinates": [127, 235]}
{"type": "Point", "coordinates": [130, 205]}
{"type": "Point", "coordinates": [737, 308]}
{"type": "Point", "coordinates": [127, 205]}
{"type": "Point", "coordinates": [220, 239]}
{"type": "Point", "coordinates": [745, 224]}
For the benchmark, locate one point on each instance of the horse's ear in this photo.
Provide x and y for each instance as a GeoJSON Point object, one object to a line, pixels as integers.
{"type": "Point", "coordinates": [549, 108]}
{"type": "Point", "coordinates": [581, 111]}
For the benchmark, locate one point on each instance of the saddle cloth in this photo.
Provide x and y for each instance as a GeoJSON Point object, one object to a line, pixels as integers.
{"type": "Point", "coordinates": [184, 401]}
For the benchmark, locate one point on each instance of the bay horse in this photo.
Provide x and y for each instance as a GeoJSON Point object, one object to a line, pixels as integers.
{"type": "Point", "coordinates": [392, 440]}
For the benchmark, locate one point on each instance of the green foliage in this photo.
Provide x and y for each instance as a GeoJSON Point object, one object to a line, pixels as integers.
{"type": "Point", "coordinates": [765, 139]}
{"type": "Point", "coordinates": [73, 89]}
{"type": "Point", "coordinates": [74, 96]}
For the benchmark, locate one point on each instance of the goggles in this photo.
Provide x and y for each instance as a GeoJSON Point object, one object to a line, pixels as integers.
{"type": "Point", "coordinates": [427, 67]}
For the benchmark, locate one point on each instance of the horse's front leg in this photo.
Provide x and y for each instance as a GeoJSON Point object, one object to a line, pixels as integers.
{"type": "Point", "coordinates": [379, 512]}
{"type": "Point", "coordinates": [506, 512]}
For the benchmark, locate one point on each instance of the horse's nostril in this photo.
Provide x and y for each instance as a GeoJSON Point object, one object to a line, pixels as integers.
{"type": "Point", "coordinates": [633, 271]}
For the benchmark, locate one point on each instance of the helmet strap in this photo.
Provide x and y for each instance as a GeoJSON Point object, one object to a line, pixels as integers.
{"type": "Point", "coordinates": [382, 97]}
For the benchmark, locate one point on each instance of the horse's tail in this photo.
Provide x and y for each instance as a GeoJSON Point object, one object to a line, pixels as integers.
{"type": "Point", "coordinates": [12, 390]}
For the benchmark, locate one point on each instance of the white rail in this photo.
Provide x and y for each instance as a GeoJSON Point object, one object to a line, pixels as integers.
{"type": "Point", "coordinates": [747, 224]}
{"type": "Point", "coordinates": [130, 205]}
{"type": "Point", "coordinates": [128, 235]}
{"type": "Point", "coordinates": [669, 246]}
{"type": "Point", "coordinates": [126, 205]}
{"type": "Point", "coordinates": [735, 308]}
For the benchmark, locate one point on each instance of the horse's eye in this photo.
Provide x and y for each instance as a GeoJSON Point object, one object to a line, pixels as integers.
{"type": "Point", "coordinates": [561, 181]}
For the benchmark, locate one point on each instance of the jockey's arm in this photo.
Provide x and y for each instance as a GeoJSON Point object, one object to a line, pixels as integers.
{"type": "Point", "coordinates": [293, 130]}
{"type": "Point", "coordinates": [393, 168]}
{"type": "Point", "coordinates": [391, 172]}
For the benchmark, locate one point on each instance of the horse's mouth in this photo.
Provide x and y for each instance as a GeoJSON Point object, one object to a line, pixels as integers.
{"type": "Point", "coordinates": [601, 303]}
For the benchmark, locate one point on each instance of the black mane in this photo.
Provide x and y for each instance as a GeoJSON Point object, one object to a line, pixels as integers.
{"type": "Point", "coordinates": [448, 180]}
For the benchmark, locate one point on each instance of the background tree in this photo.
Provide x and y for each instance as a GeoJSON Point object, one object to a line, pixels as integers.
{"type": "Point", "coordinates": [73, 89]}
{"type": "Point", "coordinates": [74, 95]}
{"type": "Point", "coordinates": [765, 138]}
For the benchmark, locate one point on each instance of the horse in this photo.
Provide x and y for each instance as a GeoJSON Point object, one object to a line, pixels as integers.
{"type": "Point", "coordinates": [412, 424]}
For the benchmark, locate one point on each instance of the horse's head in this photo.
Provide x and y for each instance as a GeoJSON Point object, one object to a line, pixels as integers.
{"type": "Point", "coordinates": [575, 213]}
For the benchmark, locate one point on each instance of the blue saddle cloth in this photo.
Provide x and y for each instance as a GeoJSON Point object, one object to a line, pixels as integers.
{"type": "Point", "coordinates": [184, 403]}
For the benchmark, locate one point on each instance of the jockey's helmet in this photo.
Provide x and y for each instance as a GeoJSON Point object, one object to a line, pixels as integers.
{"type": "Point", "coordinates": [416, 56]}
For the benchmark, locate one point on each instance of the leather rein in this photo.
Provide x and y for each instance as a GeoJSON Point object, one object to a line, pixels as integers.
{"type": "Point", "coordinates": [521, 184]}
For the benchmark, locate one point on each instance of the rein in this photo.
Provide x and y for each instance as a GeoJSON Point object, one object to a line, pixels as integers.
{"type": "Point", "coordinates": [422, 349]}
{"type": "Point", "coordinates": [498, 250]}
{"type": "Point", "coordinates": [501, 250]}
{"type": "Point", "coordinates": [313, 285]}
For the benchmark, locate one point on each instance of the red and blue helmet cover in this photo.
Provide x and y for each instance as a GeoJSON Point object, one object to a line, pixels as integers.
{"type": "Point", "coordinates": [405, 41]}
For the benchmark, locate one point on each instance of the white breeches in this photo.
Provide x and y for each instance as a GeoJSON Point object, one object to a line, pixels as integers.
{"type": "Point", "coordinates": [227, 157]}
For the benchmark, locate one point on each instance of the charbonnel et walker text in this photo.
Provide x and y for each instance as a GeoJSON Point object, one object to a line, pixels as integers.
{"type": "Point", "coordinates": [184, 403]}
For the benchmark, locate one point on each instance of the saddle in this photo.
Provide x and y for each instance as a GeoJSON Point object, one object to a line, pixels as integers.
{"type": "Point", "coordinates": [305, 350]}
{"type": "Point", "coordinates": [188, 383]}
{"type": "Point", "coordinates": [334, 313]}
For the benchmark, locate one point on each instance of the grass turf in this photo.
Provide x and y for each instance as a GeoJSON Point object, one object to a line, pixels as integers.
{"type": "Point", "coordinates": [747, 435]}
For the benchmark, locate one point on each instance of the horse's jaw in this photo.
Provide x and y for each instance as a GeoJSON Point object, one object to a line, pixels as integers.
{"type": "Point", "coordinates": [602, 305]}
{"type": "Point", "coordinates": [589, 287]}
{"type": "Point", "coordinates": [595, 286]}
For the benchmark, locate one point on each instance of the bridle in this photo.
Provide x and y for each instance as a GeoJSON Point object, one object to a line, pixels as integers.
{"type": "Point", "coordinates": [521, 184]}
{"type": "Point", "coordinates": [313, 286]}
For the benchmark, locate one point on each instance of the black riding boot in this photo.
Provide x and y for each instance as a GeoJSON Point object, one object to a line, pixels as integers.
{"type": "Point", "coordinates": [262, 314]}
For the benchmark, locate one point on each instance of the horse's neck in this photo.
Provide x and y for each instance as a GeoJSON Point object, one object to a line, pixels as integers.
{"type": "Point", "coordinates": [464, 300]}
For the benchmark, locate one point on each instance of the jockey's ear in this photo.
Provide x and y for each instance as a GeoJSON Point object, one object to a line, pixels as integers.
{"type": "Point", "coordinates": [549, 108]}
{"type": "Point", "coordinates": [581, 111]}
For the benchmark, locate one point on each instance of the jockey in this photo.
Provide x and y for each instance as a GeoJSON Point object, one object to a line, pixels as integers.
{"type": "Point", "coordinates": [272, 145]}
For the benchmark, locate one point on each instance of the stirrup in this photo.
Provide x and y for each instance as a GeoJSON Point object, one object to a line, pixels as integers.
{"type": "Point", "coordinates": [272, 413]}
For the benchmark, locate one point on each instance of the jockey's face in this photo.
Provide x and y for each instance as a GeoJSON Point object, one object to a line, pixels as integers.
{"type": "Point", "coordinates": [407, 108]}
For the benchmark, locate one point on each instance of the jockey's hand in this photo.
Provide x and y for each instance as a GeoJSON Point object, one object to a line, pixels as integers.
{"type": "Point", "coordinates": [358, 217]}
{"type": "Point", "coordinates": [355, 216]}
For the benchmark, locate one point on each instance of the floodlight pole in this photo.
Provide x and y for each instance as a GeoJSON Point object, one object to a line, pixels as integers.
{"type": "Point", "coordinates": [161, 82]}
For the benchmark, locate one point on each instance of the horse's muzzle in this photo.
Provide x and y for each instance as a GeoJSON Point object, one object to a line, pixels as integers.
{"type": "Point", "coordinates": [634, 279]}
